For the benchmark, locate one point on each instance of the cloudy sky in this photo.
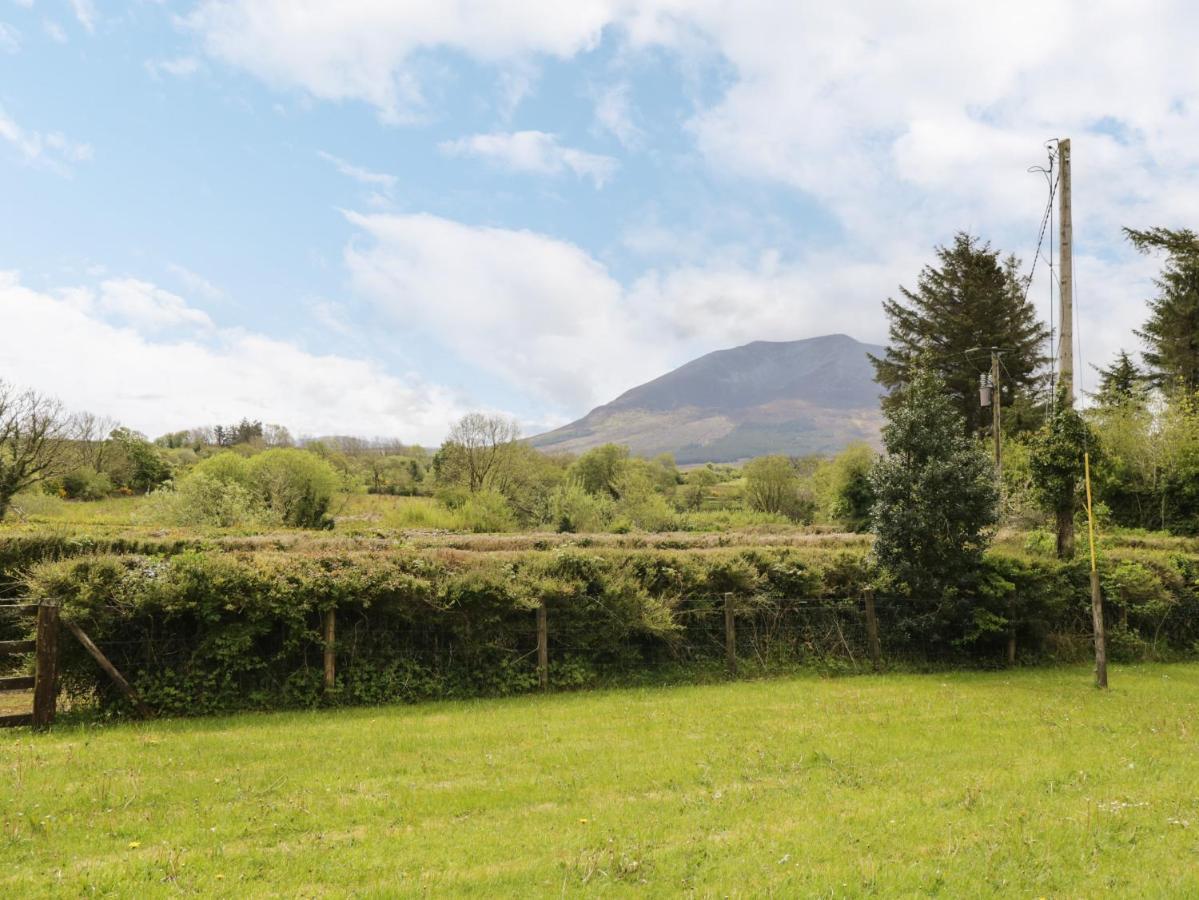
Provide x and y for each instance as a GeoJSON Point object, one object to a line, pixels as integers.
{"type": "Point", "coordinates": [369, 216]}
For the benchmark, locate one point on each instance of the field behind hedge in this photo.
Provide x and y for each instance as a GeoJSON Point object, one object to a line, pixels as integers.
{"type": "Point", "coordinates": [1026, 783]}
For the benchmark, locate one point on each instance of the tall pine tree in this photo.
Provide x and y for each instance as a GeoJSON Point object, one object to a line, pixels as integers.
{"type": "Point", "coordinates": [1172, 332]}
{"type": "Point", "coordinates": [971, 298]}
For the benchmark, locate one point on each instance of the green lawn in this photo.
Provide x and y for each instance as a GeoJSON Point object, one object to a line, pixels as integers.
{"type": "Point", "coordinates": [1027, 784]}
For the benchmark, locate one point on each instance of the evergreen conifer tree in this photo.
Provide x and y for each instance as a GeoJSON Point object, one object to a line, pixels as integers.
{"type": "Point", "coordinates": [1121, 383]}
{"type": "Point", "coordinates": [1172, 331]}
{"type": "Point", "coordinates": [970, 299]}
{"type": "Point", "coordinates": [936, 497]}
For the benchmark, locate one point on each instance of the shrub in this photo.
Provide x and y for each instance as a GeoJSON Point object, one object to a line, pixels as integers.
{"type": "Point", "coordinates": [297, 487]}
{"type": "Point", "coordinates": [288, 486]}
{"type": "Point", "coordinates": [203, 499]}
{"type": "Point", "coordinates": [86, 484]}
{"type": "Point", "coordinates": [771, 485]}
{"type": "Point", "coordinates": [486, 511]}
{"type": "Point", "coordinates": [573, 509]}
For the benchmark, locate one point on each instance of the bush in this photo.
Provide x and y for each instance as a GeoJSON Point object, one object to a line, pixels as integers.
{"type": "Point", "coordinates": [296, 486]}
{"type": "Point", "coordinates": [486, 511]}
{"type": "Point", "coordinates": [203, 499]}
{"type": "Point", "coordinates": [288, 486]}
{"type": "Point", "coordinates": [573, 509]}
{"type": "Point", "coordinates": [86, 484]}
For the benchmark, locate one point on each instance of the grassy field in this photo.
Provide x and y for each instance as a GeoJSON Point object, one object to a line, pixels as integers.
{"type": "Point", "coordinates": [1027, 783]}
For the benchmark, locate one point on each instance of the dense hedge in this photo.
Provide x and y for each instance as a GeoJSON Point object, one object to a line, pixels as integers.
{"type": "Point", "coordinates": [19, 553]}
{"type": "Point", "coordinates": [208, 630]}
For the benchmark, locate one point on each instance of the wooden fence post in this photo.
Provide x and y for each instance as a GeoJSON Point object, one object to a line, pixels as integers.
{"type": "Point", "coordinates": [730, 635]}
{"type": "Point", "coordinates": [45, 685]}
{"type": "Point", "coordinates": [543, 648]}
{"type": "Point", "coordinates": [330, 653]}
{"type": "Point", "coordinates": [876, 651]}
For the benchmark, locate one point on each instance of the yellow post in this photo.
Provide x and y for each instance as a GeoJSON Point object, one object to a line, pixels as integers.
{"type": "Point", "coordinates": [1096, 594]}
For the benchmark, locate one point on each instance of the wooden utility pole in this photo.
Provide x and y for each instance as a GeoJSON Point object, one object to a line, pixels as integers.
{"type": "Point", "coordinates": [1065, 274]}
{"type": "Point", "coordinates": [996, 403]}
{"type": "Point", "coordinates": [1065, 517]}
{"type": "Point", "coordinates": [1096, 593]}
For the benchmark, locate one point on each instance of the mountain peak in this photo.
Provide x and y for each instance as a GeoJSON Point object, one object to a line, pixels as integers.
{"type": "Point", "coordinates": [813, 395]}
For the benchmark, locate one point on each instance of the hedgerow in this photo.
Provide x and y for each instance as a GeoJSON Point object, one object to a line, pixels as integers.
{"type": "Point", "coordinates": [201, 630]}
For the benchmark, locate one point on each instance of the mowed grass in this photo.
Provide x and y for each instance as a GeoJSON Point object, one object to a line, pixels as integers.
{"type": "Point", "coordinates": [1028, 783]}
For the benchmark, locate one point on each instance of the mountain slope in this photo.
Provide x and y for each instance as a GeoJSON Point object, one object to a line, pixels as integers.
{"type": "Point", "coordinates": [794, 397]}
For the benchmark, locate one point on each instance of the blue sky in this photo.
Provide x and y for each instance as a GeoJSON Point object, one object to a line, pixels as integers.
{"type": "Point", "coordinates": [369, 217]}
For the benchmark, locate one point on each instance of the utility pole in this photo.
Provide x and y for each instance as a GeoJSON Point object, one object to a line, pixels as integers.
{"type": "Point", "coordinates": [996, 403]}
{"type": "Point", "coordinates": [1066, 273]}
{"type": "Point", "coordinates": [1065, 517]}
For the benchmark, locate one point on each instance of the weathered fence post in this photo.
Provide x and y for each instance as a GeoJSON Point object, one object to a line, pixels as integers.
{"type": "Point", "coordinates": [543, 648]}
{"type": "Point", "coordinates": [330, 653]}
{"type": "Point", "coordinates": [876, 650]}
{"type": "Point", "coordinates": [45, 685]}
{"type": "Point", "coordinates": [730, 635]}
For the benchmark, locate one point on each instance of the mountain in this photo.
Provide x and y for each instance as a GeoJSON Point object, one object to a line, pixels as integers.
{"type": "Point", "coordinates": [794, 397]}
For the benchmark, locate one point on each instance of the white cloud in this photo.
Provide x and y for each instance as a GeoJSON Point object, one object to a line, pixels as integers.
{"type": "Point", "coordinates": [51, 149]}
{"type": "Point", "coordinates": [85, 12]}
{"type": "Point", "coordinates": [60, 345]}
{"type": "Point", "coordinates": [178, 66]}
{"type": "Point", "coordinates": [54, 31]}
{"type": "Point", "coordinates": [901, 123]}
{"type": "Point", "coordinates": [380, 180]}
{"type": "Point", "coordinates": [361, 49]}
{"type": "Point", "coordinates": [614, 113]}
{"type": "Point", "coordinates": [196, 283]}
{"type": "Point", "coordinates": [148, 307]}
{"type": "Point", "coordinates": [10, 39]}
{"type": "Point", "coordinates": [536, 311]}
{"type": "Point", "coordinates": [533, 151]}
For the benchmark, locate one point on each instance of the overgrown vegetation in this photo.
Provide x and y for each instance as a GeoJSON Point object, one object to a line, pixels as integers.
{"type": "Point", "coordinates": [239, 626]}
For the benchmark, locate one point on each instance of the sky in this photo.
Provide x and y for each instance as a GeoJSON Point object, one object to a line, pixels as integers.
{"type": "Point", "coordinates": [372, 216]}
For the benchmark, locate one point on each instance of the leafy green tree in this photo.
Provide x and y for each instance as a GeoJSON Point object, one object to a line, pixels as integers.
{"type": "Point", "coordinates": [136, 463]}
{"type": "Point", "coordinates": [1177, 440]}
{"type": "Point", "coordinates": [1056, 465]}
{"type": "Point", "coordinates": [697, 485]}
{"type": "Point", "coordinates": [772, 486]}
{"type": "Point", "coordinates": [1172, 330]}
{"type": "Point", "coordinates": [599, 469]}
{"type": "Point", "coordinates": [970, 298]}
{"type": "Point", "coordinates": [936, 499]}
{"type": "Point", "coordinates": [843, 486]}
{"type": "Point", "coordinates": [477, 451]}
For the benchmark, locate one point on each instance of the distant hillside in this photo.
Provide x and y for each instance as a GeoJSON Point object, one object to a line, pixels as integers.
{"type": "Point", "coordinates": [795, 397]}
